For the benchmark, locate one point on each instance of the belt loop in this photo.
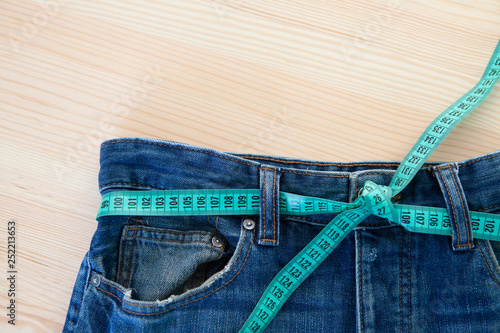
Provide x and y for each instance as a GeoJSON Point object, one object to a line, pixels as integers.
{"type": "Point", "coordinates": [456, 203]}
{"type": "Point", "coordinates": [268, 231]}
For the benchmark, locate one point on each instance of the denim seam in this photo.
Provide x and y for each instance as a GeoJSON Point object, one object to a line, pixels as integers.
{"type": "Point", "coordinates": [163, 188]}
{"type": "Point", "coordinates": [137, 219]}
{"type": "Point", "coordinates": [360, 284]}
{"type": "Point", "coordinates": [155, 313]}
{"type": "Point", "coordinates": [169, 240]}
{"type": "Point", "coordinates": [119, 278]}
{"type": "Point", "coordinates": [107, 292]}
{"type": "Point", "coordinates": [75, 319]}
{"type": "Point", "coordinates": [484, 158]}
{"type": "Point", "coordinates": [444, 167]}
{"type": "Point", "coordinates": [347, 164]}
{"type": "Point", "coordinates": [452, 207]}
{"type": "Point", "coordinates": [316, 175]}
{"type": "Point", "coordinates": [264, 203]}
{"type": "Point", "coordinates": [463, 207]}
{"type": "Point", "coordinates": [184, 148]}
{"type": "Point", "coordinates": [212, 244]}
{"type": "Point", "coordinates": [120, 271]}
{"type": "Point", "coordinates": [466, 244]}
{"type": "Point", "coordinates": [274, 206]}
{"type": "Point", "coordinates": [409, 282]}
{"type": "Point", "coordinates": [131, 259]}
{"type": "Point", "coordinates": [170, 232]}
{"type": "Point", "coordinates": [264, 217]}
{"type": "Point", "coordinates": [134, 184]}
{"type": "Point", "coordinates": [401, 278]}
{"type": "Point", "coordinates": [307, 173]}
{"type": "Point", "coordinates": [355, 186]}
{"type": "Point", "coordinates": [481, 209]}
{"type": "Point", "coordinates": [488, 266]}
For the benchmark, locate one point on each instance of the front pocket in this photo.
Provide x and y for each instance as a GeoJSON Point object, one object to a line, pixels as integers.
{"type": "Point", "coordinates": [494, 247]}
{"type": "Point", "coordinates": [155, 263]}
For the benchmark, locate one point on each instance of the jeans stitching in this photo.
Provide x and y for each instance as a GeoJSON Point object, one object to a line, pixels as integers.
{"type": "Point", "coordinates": [184, 148]}
{"type": "Point", "coordinates": [356, 185]}
{"type": "Point", "coordinates": [480, 209]}
{"type": "Point", "coordinates": [274, 206]}
{"type": "Point", "coordinates": [120, 271]}
{"type": "Point", "coordinates": [317, 175]}
{"type": "Point", "coordinates": [409, 282]}
{"type": "Point", "coordinates": [169, 231]}
{"type": "Point", "coordinates": [170, 240]}
{"type": "Point", "coordinates": [459, 190]}
{"type": "Point", "coordinates": [452, 208]}
{"type": "Point", "coordinates": [133, 184]}
{"type": "Point", "coordinates": [107, 292]}
{"type": "Point", "coordinates": [484, 158]}
{"type": "Point", "coordinates": [401, 279]}
{"type": "Point", "coordinates": [466, 244]}
{"type": "Point", "coordinates": [119, 279]}
{"type": "Point", "coordinates": [264, 203]}
{"type": "Point", "coordinates": [321, 163]}
{"type": "Point", "coordinates": [131, 258]}
{"type": "Point", "coordinates": [360, 284]}
{"type": "Point", "coordinates": [444, 167]}
{"type": "Point", "coordinates": [488, 266]}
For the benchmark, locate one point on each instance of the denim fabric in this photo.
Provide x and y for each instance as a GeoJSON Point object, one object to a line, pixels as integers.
{"type": "Point", "coordinates": [206, 273]}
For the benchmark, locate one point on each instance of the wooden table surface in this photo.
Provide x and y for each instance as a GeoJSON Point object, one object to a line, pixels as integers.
{"type": "Point", "coordinates": [328, 80]}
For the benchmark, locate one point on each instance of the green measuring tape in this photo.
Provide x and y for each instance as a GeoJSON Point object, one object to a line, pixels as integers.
{"type": "Point", "coordinates": [374, 200]}
{"type": "Point", "coordinates": [430, 220]}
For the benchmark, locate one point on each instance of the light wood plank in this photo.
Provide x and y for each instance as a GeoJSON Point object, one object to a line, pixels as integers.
{"type": "Point", "coordinates": [347, 81]}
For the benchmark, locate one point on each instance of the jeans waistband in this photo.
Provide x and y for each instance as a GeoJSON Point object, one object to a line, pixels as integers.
{"type": "Point", "coordinates": [145, 163]}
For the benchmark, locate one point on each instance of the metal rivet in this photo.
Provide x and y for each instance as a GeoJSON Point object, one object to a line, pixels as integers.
{"type": "Point", "coordinates": [96, 280]}
{"type": "Point", "coordinates": [217, 241]}
{"type": "Point", "coordinates": [249, 224]}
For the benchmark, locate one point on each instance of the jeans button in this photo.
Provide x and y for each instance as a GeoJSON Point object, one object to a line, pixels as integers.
{"type": "Point", "coordinates": [217, 241]}
{"type": "Point", "coordinates": [249, 224]}
{"type": "Point", "coordinates": [96, 280]}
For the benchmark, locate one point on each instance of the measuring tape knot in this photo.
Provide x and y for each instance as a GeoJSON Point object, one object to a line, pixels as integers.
{"type": "Point", "coordinates": [378, 200]}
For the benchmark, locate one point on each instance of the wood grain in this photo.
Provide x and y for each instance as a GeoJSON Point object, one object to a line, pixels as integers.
{"type": "Point", "coordinates": [346, 81]}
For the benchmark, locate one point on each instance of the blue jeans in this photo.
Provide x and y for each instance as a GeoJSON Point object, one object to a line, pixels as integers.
{"type": "Point", "coordinates": [206, 273]}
